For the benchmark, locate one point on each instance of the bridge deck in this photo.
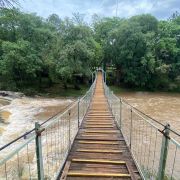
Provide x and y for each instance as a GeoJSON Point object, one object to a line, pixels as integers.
{"type": "Point", "coordinates": [99, 150]}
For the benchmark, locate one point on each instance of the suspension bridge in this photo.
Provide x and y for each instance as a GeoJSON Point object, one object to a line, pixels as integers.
{"type": "Point", "coordinates": [98, 137]}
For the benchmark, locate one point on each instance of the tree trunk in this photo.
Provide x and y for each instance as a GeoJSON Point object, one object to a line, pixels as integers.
{"type": "Point", "coordinates": [118, 76]}
{"type": "Point", "coordinates": [65, 85]}
{"type": "Point", "coordinates": [40, 81]}
{"type": "Point", "coordinates": [76, 84]}
{"type": "Point", "coordinates": [49, 82]}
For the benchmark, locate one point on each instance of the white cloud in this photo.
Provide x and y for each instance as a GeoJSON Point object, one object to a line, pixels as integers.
{"type": "Point", "coordinates": [160, 8]}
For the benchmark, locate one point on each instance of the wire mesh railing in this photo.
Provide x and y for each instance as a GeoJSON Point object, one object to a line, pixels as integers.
{"type": "Point", "coordinates": [44, 151]}
{"type": "Point", "coordinates": [155, 147]}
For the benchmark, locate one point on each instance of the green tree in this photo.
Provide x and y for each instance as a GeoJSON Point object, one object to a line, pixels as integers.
{"type": "Point", "coordinates": [19, 62]}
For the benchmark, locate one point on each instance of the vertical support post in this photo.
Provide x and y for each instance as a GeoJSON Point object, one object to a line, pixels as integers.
{"type": "Point", "coordinates": [130, 143]}
{"type": "Point", "coordinates": [105, 77]}
{"type": "Point", "coordinates": [164, 152]}
{"type": "Point", "coordinates": [110, 97]}
{"type": "Point", "coordinates": [111, 100]}
{"type": "Point", "coordinates": [92, 77]}
{"type": "Point", "coordinates": [84, 102]}
{"type": "Point", "coordinates": [102, 74]}
{"type": "Point", "coordinates": [39, 152]}
{"type": "Point", "coordinates": [78, 113]}
{"type": "Point", "coordinates": [69, 113]}
{"type": "Point", "coordinates": [120, 112]}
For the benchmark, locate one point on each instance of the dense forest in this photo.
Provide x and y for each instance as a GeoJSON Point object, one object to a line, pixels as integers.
{"type": "Point", "coordinates": [138, 52]}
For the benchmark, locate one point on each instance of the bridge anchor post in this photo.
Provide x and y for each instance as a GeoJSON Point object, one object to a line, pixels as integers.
{"type": "Point", "coordinates": [69, 130]}
{"type": "Point", "coordinates": [164, 152]}
{"type": "Point", "coordinates": [78, 113]}
{"type": "Point", "coordinates": [92, 77]}
{"type": "Point", "coordinates": [131, 128]}
{"type": "Point", "coordinates": [120, 112]}
{"type": "Point", "coordinates": [39, 151]}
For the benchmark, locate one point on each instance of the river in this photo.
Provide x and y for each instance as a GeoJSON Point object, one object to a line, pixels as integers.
{"type": "Point", "coordinates": [165, 107]}
{"type": "Point", "coordinates": [146, 139]}
{"type": "Point", "coordinates": [19, 115]}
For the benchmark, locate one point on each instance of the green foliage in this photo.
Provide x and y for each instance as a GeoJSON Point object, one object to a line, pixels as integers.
{"type": "Point", "coordinates": [142, 51]}
{"type": "Point", "coordinates": [147, 22]}
{"type": "Point", "coordinates": [19, 61]}
{"type": "Point", "coordinates": [33, 48]}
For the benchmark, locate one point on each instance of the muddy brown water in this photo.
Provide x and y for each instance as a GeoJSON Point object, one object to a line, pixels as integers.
{"type": "Point", "coordinates": [19, 115]}
{"type": "Point", "coordinates": [50, 111]}
{"type": "Point", "coordinates": [164, 107]}
{"type": "Point", "coordinates": [3, 114]}
{"type": "Point", "coordinates": [3, 102]}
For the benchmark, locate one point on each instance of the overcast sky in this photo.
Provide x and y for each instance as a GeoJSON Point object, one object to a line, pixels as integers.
{"type": "Point", "coordinates": [162, 9]}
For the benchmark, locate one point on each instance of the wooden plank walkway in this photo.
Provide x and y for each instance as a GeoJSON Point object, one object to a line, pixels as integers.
{"type": "Point", "coordinates": [99, 150]}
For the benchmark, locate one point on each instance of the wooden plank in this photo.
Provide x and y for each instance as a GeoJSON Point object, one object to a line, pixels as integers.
{"type": "Point", "coordinates": [107, 138]}
{"type": "Point", "coordinates": [94, 135]}
{"type": "Point", "coordinates": [97, 174]}
{"type": "Point", "coordinates": [101, 131]}
{"type": "Point", "coordinates": [98, 142]}
{"type": "Point", "coordinates": [98, 123]}
{"type": "Point", "coordinates": [95, 120]}
{"type": "Point", "coordinates": [99, 116]}
{"type": "Point", "coordinates": [98, 126]}
{"type": "Point", "coordinates": [133, 177]}
{"type": "Point", "coordinates": [99, 151]}
{"type": "Point", "coordinates": [65, 171]}
{"type": "Point", "coordinates": [98, 161]}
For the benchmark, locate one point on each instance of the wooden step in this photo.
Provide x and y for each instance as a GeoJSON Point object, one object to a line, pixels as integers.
{"type": "Point", "coordinates": [101, 131]}
{"type": "Point", "coordinates": [97, 126]}
{"type": "Point", "coordinates": [96, 174]}
{"type": "Point", "coordinates": [99, 119]}
{"type": "Point", "coordinates": [98, 123]}
{"type": "Point", "coordinates": [94, 135]}
{"type": "Point", "coordinates": [99, 151]}
{"type": "Point", "coordinates": [99, 161]}
{"type": "Point", "coordinates": [99, 115]}
{"type": "Point", "coordinates": [99, 142]}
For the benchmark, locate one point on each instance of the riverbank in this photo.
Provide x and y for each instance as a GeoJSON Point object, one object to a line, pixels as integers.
{"type": "Point", "coordinates": [56, 91]}
{"type": "Point", "coordinates": [117, 90]}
